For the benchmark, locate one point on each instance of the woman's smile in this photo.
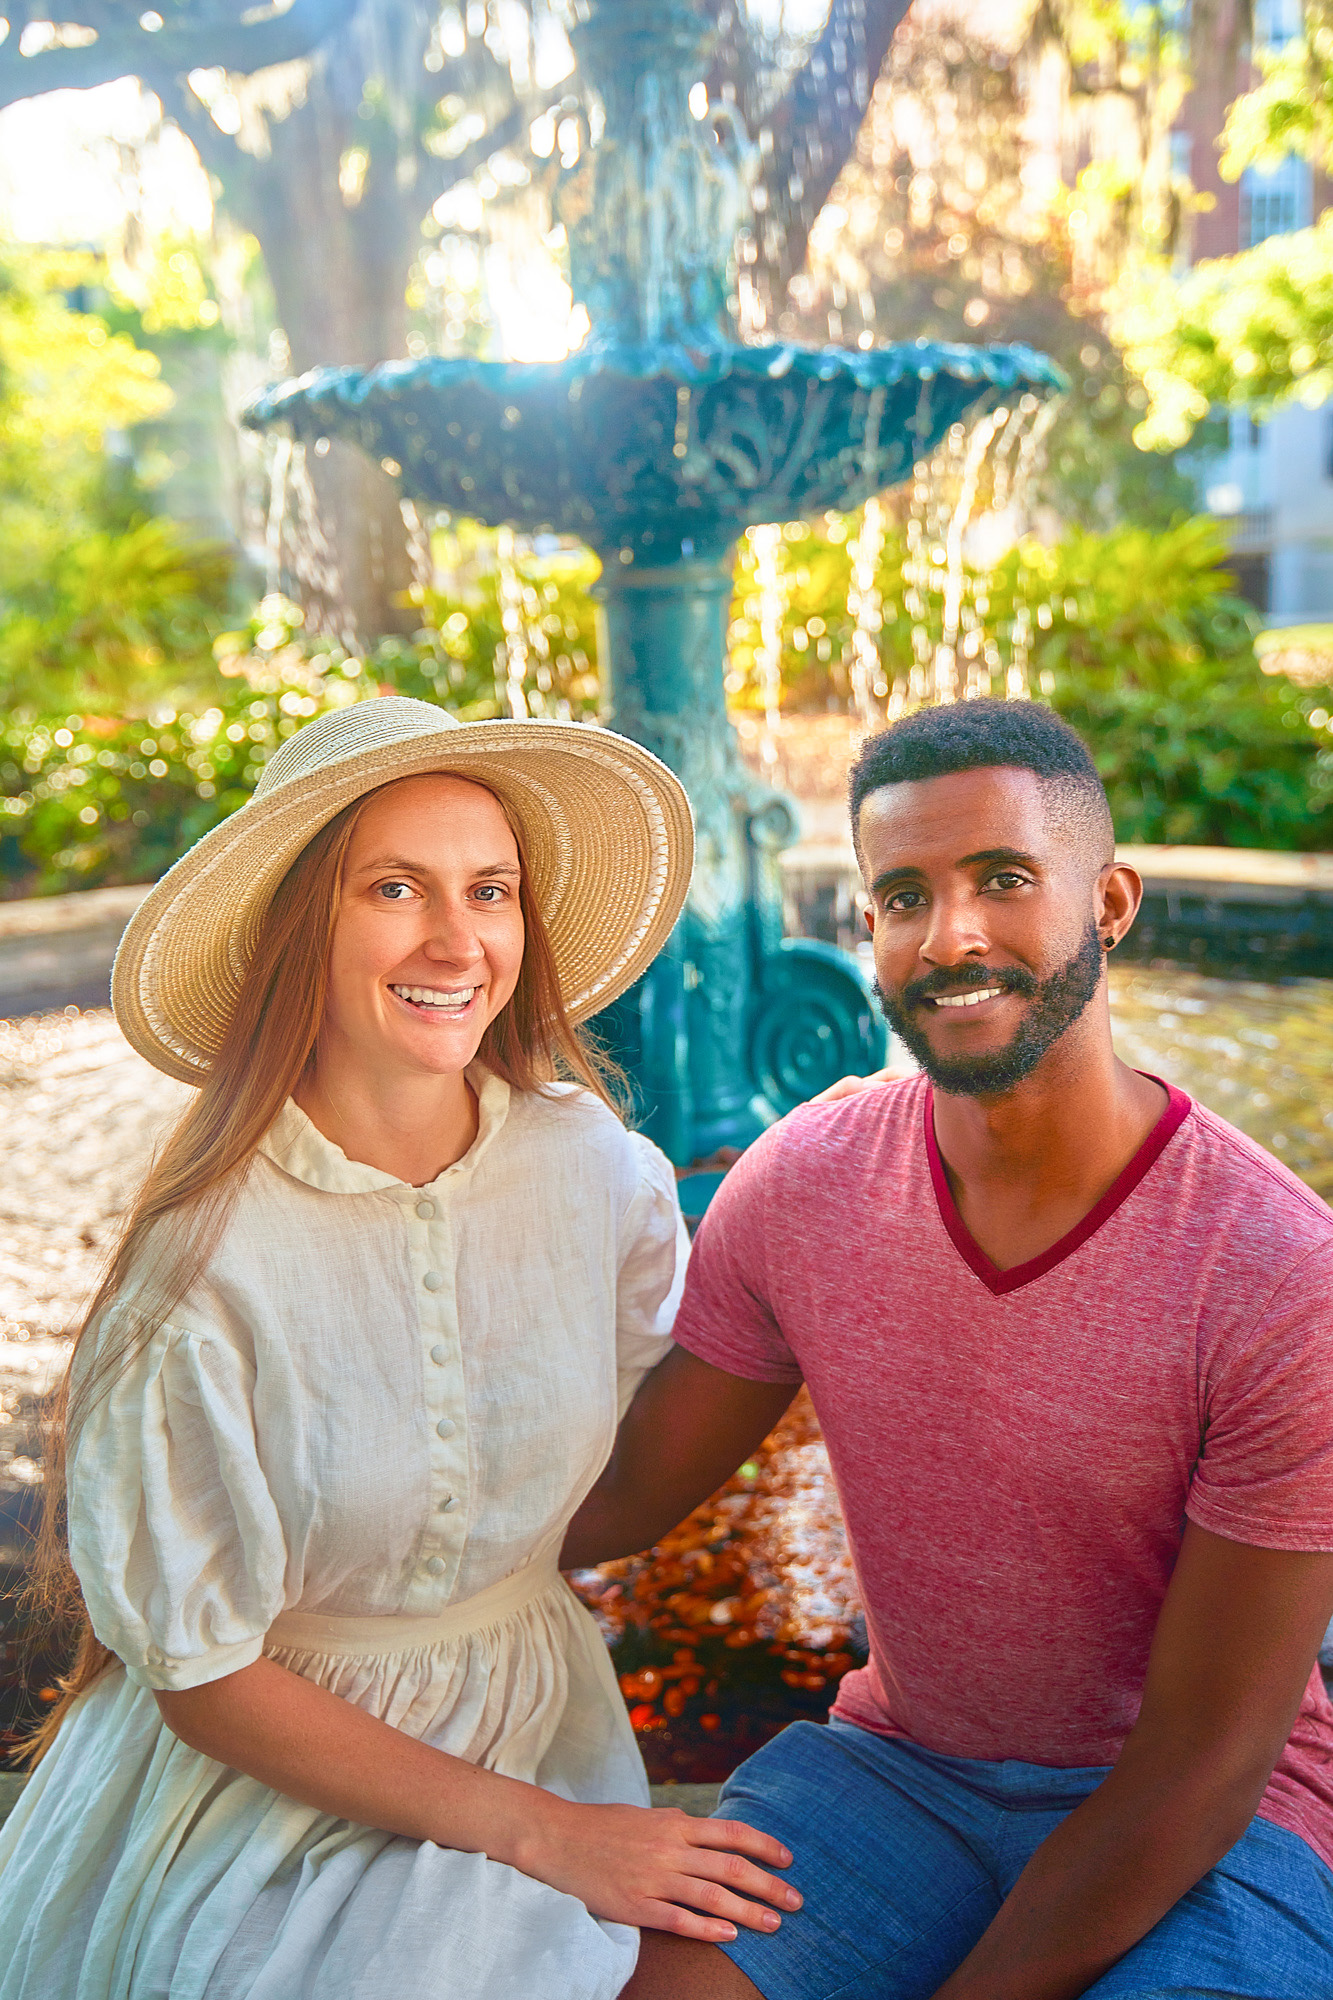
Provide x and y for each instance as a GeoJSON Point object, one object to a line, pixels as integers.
{"type": "Point", "coordinates": [428, 1000]}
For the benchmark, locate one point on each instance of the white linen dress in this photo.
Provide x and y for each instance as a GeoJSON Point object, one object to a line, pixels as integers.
{"type": "Point", "coordinates": [355, 1448]}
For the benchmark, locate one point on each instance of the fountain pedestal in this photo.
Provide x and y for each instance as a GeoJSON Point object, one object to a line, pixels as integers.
{"type": "Point", "coordinates": [733, 1025]}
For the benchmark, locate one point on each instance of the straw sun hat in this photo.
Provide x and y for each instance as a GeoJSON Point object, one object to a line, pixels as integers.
{"type": "Point", "coordinates": [607, 827]}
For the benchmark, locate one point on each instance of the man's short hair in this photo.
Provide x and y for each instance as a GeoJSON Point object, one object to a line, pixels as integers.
{"type": "Point", "coordinates": [986, 734]}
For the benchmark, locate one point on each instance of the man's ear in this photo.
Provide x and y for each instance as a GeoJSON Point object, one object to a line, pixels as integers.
{"type": "Point", "coordinates": [869, 914]}
{"type": "Point", "coordinates": [1116, 902]}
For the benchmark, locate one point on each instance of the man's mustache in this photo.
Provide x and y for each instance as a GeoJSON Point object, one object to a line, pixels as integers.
{"type": "Point", "coordinates": [1009, 978]}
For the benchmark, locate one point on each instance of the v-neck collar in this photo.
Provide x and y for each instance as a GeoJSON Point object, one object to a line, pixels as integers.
{"type": "Point", "coordinates": [1178, 1108]}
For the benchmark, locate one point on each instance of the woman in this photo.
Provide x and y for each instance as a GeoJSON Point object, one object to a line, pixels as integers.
{"type": "Point", "coordinates": [338, 1728]}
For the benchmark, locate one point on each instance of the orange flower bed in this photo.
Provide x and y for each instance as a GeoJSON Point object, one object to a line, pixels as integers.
{"type": "Point", "coordinates": [742, 1619]}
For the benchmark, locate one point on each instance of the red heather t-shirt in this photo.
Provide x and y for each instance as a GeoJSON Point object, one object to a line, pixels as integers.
{"type": "Point", "coordinates": [1016, 1452]}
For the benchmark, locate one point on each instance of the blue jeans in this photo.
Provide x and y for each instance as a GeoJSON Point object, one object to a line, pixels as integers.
{"type": "Point", "coordinates": [904, 1857]}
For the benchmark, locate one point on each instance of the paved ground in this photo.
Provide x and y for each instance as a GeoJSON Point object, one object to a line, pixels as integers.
{"type": "Point", "coordinates": [79, 1113]}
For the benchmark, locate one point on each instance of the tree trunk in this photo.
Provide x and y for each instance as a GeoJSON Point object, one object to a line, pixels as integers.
{"type": "Point", "coordinates": [338, 248]}
{"type": "Point", "coordinates": [339, 272]}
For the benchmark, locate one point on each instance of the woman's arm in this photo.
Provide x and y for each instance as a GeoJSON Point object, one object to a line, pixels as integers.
{"type": "Point", "coordinates": [688, 1428]}
{"type": "Point", "coordinates": [658, 1869]}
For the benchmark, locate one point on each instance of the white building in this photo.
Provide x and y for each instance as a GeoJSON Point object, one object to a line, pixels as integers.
{"type": "Point", "coordinates": [1274, 481]}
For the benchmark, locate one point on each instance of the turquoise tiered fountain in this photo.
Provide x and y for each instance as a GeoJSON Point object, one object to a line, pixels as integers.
{"type": "Point", "coordinates": [658, 442]}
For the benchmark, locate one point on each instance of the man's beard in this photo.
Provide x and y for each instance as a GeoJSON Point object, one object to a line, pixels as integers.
{"type": "Point", "coordinates": [1057, 1004]}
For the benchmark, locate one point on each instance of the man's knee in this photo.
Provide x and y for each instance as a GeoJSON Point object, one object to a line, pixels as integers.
{"type": "Point", "coordinates": [675, 1968]}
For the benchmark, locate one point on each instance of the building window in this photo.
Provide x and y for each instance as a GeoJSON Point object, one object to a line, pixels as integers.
{"type": "Point", "coordinates": [1253, 582]}
{"type": "Point", "coordinates": [1276, 22]}
{"type": "Point", "coordinates": [1274, 201]}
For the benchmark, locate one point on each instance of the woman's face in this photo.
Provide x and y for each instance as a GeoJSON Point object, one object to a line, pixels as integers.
{"type": "Point", "coordinates": [429, 935]}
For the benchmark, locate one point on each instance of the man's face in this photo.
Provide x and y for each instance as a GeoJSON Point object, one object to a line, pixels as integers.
{"type": "Point", "coordinates": [982, 915]}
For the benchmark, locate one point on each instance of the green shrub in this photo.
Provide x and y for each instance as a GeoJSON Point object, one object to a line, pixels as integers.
{"type": "Point", "coordinates": [104, 619]}
{"type": "Point", "coordinates": [87, 800]}
{"type": "Point", "coordinates": [1151, 658]}
{"type": "Point", "coordinates": [1135, 638]}
{"type": "Point", "coordinates": [90, 798]}
{"type": "Point", "coordinates": [101, 605]}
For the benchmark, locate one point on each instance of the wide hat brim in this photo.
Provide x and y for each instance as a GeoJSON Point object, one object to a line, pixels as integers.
{"type": "Point", "coordinates": [607, 829]}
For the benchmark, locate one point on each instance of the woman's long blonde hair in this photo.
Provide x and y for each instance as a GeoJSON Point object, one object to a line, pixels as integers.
{"type": "Point", "coordinates": [199, 1170]}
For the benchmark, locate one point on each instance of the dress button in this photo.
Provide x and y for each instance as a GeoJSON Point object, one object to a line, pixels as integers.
{"type": "Point", "coordinates": [448, 1504]}
{"type": "Point", "coordinates": [436, 1566]}
{"type": "Point", "coordinates": [155, 1656]}
{"type": "Point", "coordinates": [439, 1354]}
{"type": "Point", "coordinates": [425, 1209]}
{"type": "Point", "coordinates": [433, 1281]}
{"type": "Point", "coordinates": [445, 1428]}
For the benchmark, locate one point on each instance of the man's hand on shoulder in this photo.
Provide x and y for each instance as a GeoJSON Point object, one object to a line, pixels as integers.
{"type": "Point", "coordinates": [848, 1086]}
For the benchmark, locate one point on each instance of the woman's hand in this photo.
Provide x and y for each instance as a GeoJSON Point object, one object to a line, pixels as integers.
{"type": "Point", "coordinates": [697, 1877]}
{"type": "Point", "coordinates": [658, 1868]}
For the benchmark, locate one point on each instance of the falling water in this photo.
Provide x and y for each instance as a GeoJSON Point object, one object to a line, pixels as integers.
{"type": "Point", "coordinates": [955, 578]}
{"type": "Point", "coordinates": [865, 604]}
{"type": "Point", "coordinates": [419, 552]}
{"type": "Point", "coordinates": [766, 543]}
{"type": "Point", "coordinates": [968, 508]}
{"type": "Point", "coordinates": [299, 558]}
{"type": "Point", "coordinates": [279, 467]}
{"type": "Point", "coordinates": [511, 658]}
{"type": "Point", "coordinates": [526, 676]}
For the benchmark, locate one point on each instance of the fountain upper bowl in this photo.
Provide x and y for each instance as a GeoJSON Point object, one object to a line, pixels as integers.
{"type": "Point", "coordinates": [663, 450]}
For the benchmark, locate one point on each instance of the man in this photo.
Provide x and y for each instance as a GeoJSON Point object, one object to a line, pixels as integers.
{"type": "Point", "coordinates": [1070, 1339]}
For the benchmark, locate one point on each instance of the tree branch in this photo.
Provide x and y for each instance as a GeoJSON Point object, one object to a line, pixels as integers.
{"type": "Point", "coordinates": [815, 125]}
{"type": "Point", "coordinates": [123, 48]}
{"type": "Point", "coordinates": [447, 172]}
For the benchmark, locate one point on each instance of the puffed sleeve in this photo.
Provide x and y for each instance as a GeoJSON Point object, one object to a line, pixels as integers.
{"type": "Point", "coordinates": [654, 1248]}
{"type": "Point", "coordinates": [173, 1532]}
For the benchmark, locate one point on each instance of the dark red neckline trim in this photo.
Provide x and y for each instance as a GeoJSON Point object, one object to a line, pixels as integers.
{"type": "Point", "coordinates": [1178, 1108]}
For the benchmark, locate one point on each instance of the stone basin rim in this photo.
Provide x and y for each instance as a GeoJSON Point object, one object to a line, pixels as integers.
{"type": "Point", "coordinates": [688, 366]}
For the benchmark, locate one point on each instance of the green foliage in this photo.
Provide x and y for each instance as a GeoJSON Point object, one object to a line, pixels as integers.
{"type": "Point", "coordinates": [1134, 636]}
{"type": "Point", "coordinates": [940, 229]}
{"type": "Point", "coordinates": [512, 634]}
{"type": "Point", "coordinates": [100, 604]}
{"type": "Point", "coordinates": [106, 618]}
{"type": "Point", "coordinates": [89, 799]}
{"type": "Point", "coordinates": [1291, 109]}
{"type": "Point", "coordinates": [1254, 330]}
{"type": "Point", "coordinates": [1151, 658]}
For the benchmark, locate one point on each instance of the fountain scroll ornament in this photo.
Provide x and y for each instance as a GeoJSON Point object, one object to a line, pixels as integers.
{"type": "Point", "coordinates": [658, 442]}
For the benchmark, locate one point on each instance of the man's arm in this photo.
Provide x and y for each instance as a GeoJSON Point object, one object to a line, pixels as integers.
{"type": "Point", "coordinates": [688, 1428]}
{"type": "Point", "coordinates": [1235, 1642]}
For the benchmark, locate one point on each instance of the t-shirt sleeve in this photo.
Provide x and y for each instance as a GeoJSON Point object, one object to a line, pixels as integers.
{"type": "Point", "coordinates": [1265, 1475]}
{"type": "Point", "coordinates": [173, 1532]}
{"type": "Point", "coordinates": [653, 1252]}
{"type": "Point", "coordinates": [727, 1315]}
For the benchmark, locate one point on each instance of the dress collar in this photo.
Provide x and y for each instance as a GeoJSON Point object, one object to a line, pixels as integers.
{"type": "Point", "coordinates": [300, 1149]}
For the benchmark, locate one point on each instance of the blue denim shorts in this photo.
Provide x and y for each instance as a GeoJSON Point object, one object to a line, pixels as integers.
{"type": "Point", "coordinates": [904, 1857]}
